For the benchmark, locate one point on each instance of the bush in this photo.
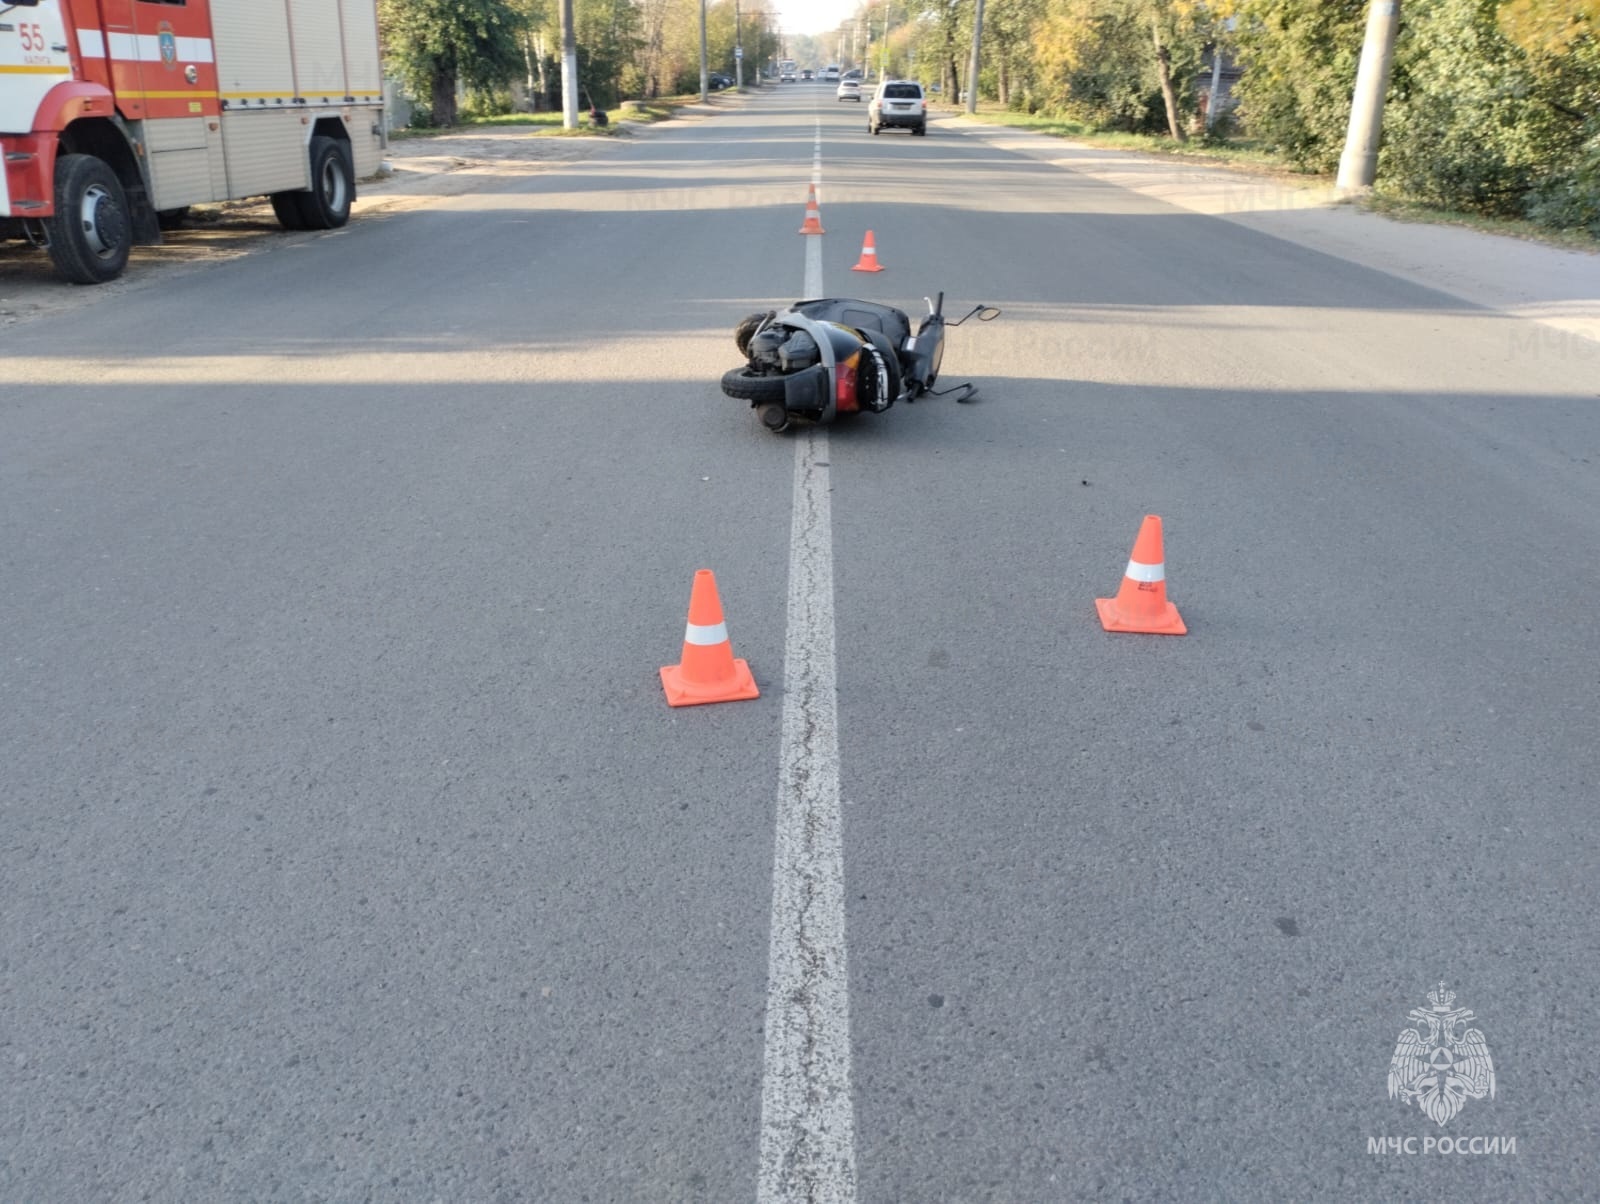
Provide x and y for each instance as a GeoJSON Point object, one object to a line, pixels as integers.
{"type": "Point", "coordinates": [1570, 199]}
{"type": "Point", "coordinates": [495, 103]}
{"type": "Point", "coordinates": [1457, 131]}
{"type": "Point", "coordinates": [1299, 74]}
{"type": "Point", "coordinates": [1224, 127]}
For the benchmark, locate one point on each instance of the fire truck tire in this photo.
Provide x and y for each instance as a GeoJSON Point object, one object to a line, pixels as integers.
{"type": "Point", "coordinates": [333, 186]}
{"type": "Point", "coordinates": [92, 231]}
{"type": "Point", "coordinates": [286, 206]}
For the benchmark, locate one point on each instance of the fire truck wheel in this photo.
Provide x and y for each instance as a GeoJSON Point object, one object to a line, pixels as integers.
{"type": "Point", "coordinates": [90, 234]}
{"type": "Point", "coordinates": [286, 206]}
{"type": "Point", "coordinates": [333, 186]}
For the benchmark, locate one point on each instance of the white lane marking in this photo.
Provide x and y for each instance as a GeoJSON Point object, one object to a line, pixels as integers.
{"type": "Point", "coordinates": [816, 182]}
{"type": "Point", "coordinates": [813, 287]}
{"type": "Point", "coordinates": [807, 1117]}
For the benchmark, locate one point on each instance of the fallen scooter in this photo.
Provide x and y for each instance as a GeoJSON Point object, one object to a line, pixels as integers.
{"type": "Point", "coordinates": [836, 355]}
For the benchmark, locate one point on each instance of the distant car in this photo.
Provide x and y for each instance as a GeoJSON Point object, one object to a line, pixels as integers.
{"type": "Point", "coordinates": [830, 75]}
{"type": "Point", "coordinates": [716, 81]}
{"type": "Point", "coordinates": [853, 73]}
{"type": "Point", "coordinates": [849, 89]}
{"type": "Point", "coordinates": [808, 74]}
{"type": "Point", "coordinates": [898, 104]}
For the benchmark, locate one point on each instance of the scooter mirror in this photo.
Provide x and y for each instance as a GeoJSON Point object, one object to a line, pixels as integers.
{"type": "Point", "coordinates": [984, 313]}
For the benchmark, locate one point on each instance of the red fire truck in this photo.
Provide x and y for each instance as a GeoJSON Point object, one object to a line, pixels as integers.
{"type": "Point", "coordinates": [117, 115]}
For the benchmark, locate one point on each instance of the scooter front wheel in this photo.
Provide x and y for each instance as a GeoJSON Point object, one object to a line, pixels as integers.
{"type": "Point", "coordinates": [747, 386]}
{"type": "Point", "coordinates": [745, 331]}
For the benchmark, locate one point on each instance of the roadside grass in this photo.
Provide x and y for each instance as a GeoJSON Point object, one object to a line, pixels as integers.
{"type": "Point", "coordinates": [549, 125]}
{"type": "Point", "coordinates": [1239, 152]}
{"type": "Point", "coordinates": [1404, 210]}
{"type": "Point", "coordinates": [1244, 155]}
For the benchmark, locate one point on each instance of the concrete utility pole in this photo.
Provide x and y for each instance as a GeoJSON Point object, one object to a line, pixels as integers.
{"type": "Point", "coordinates": [1358, 166]}
{"type": "Point", "coordinates": [1216, 85]}
{"type": "Point", "coordinates": [705, 79]}
{"type": "Point", "coordinates": [569, 68]}
{"type": "Point", "coordinates": [972, 68]}
{"type": "Point", "coordinates": [883, 59]}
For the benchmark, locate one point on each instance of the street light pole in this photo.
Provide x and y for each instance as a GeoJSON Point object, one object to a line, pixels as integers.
{"type": "Point", "coordinates": [738, 50]}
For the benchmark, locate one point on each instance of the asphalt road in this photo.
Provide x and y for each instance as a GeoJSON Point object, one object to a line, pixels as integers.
{"type": "Point", "coordinates": [351, 852]}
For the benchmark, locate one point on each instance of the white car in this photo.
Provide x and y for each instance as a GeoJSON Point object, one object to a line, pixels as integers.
{"type": "Point", "coordinates": [898, 104]}
{"type": "Point", "coordinates": [830, 75]}
{"type": "Point", "coordinates": [849, 89]}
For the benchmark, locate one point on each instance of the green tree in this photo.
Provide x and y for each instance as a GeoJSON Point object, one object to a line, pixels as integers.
{"type": "Point", "coordinates": [1008, 49]}
{"type": "Point", "coordinates": [609, 37]}
{"type": "Point", "coordinates": [1117, 63]}
{"type": "Point", "coordinates": [652, 61]}
{"type": "Point", "coordinates": [1299, 65]}
{"type": "Point", "coordinates": [540, 33]}
{"type": "Point", "coordinates": [436, 46]}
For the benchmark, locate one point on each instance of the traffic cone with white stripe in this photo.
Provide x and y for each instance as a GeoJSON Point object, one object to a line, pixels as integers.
{"type": "Point", "coordinates": [1141, 604]}
{"type": "Point", "coordinates": [869, 257]}
{"type": "Point", "coordinates": [708, 672]}
{"type": "Point", "coordinates": [813, 222]}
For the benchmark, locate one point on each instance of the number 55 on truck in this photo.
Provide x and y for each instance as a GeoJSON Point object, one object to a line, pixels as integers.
{"type": "Point", "coordinates": [117, 115]}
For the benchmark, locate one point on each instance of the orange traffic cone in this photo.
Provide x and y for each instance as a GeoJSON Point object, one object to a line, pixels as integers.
{"type": "Point", "coordinates": [869, 257]}
{"type": "Point", "coordinates": [813, 224]}
{"type": "Point", "coordinates": [1141, 604]}
{"type": "Point", "coordinates": [709, 673]}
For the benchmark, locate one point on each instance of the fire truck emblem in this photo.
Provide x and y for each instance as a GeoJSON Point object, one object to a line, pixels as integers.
{"type": "Point", "coordinates": [1441, 1064]}
{"type": "Point", "coordinates": [169, 46]}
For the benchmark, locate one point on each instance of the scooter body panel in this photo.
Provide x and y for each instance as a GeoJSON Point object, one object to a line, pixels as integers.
{"type": "Point", "coordinates": [921, 360]}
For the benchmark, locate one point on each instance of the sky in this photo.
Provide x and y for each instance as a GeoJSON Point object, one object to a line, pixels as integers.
{"type": "Point", "coordinates": [813, 16]}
